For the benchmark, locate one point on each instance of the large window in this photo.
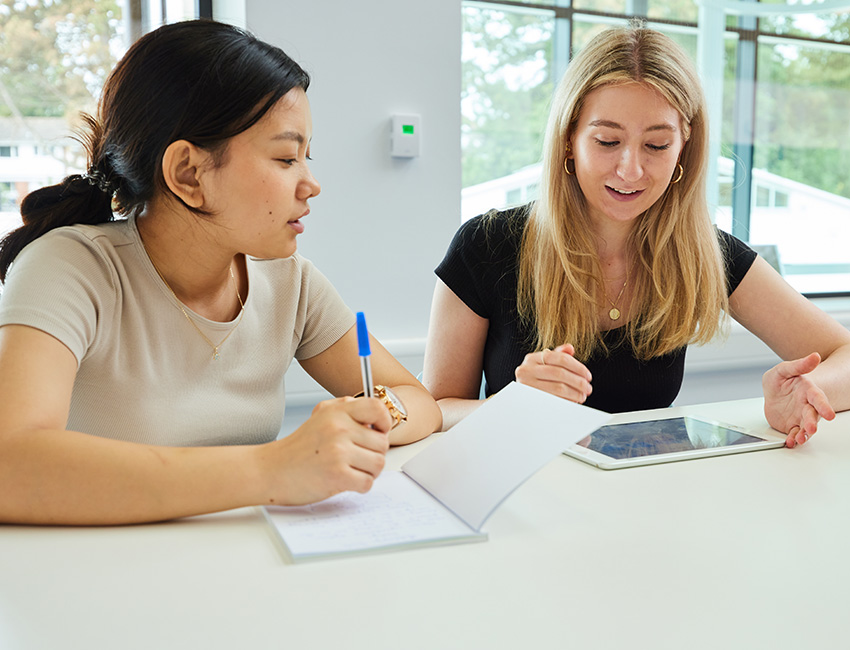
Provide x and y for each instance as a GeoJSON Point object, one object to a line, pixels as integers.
{"type": "Point", "coordinates": [54, 58]}
{"type": "Point", "coordinates": [782, 137]}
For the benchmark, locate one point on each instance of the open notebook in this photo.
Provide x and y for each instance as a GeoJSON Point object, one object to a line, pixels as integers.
{"type": "Point", "coordinates": [445, 493]}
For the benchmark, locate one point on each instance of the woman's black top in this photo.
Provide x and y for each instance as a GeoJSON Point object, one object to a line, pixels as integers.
{"type": "Point", "coordinates": [481, 268]}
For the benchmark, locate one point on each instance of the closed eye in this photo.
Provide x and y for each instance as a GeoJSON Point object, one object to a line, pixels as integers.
{"type": "Point", "coordinates": [657, 147]}
{"type": "Point", "coordinates": [292, 161]}
{"type": "Point", "coordinates": [611, 143]}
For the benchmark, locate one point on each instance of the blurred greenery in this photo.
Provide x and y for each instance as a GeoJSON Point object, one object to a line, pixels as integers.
{"type": "Point", "coordinates": [802, 104]}
{"type": "Point", "coordinates": [55, 55]}
{"type": "Point", "coordinates": [506, 89]}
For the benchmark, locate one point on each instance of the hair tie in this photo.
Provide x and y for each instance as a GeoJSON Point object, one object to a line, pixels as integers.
{"type": "Point", "coordinates": [97, 178]}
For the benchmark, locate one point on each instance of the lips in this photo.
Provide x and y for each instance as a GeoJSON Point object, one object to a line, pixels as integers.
{"type": "Point", "coordinates": [296, 224]}
{"type": "Point", "coordinates": [623, 195]}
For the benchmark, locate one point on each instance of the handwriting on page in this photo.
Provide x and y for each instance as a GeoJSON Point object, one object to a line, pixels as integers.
{"type": "Point", "coordinates": [395, 511]}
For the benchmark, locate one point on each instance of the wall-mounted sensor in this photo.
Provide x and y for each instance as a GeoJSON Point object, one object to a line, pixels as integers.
{"type": "Point", "coordinates": [406, 136]}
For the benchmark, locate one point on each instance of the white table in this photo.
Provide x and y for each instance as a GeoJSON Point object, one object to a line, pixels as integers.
{"type": "Point", "coordinates": [746, 551]}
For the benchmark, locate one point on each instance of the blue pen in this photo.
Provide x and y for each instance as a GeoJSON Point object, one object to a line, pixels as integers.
{"type": "Point", "coordinates": [365, 352]}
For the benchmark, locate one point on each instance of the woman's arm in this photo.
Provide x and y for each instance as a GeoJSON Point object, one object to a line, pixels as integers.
{"type": "Point", "coordinates": [337, 369]}
{"type": "Point", "coordinates": [804, 387]}
{"type": "Point", "coordinates": [454, 355]}
{"type": "Point", "coordinates": [454, 360]}
{"type": "Point", "coordinates": [52, 476]}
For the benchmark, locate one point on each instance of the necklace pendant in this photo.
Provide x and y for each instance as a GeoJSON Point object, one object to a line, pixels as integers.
{"type": "Point", "coordinates": [215, 355]}
{"type": "Point", "coordinates": [614, 314]}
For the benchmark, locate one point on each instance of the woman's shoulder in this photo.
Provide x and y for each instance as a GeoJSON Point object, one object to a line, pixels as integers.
{"type": "Point", "coordinates": [78, 245]}
{"type": "Point", "coordinates": [507, 222]}
{"type": "Point", "coordinates": [495, 230]}
{"type": "Point", "coordinates": [728, 242]}
{"type": "Point", "coordinates": [738, 257]}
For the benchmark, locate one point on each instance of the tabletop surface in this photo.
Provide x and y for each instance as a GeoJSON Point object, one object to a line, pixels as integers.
{"type": "Point", "coordinates": [743, 551]}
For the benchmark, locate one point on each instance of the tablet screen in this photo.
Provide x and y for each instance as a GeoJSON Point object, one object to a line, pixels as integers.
{"type": "Point", "coordinates": [662, 437]}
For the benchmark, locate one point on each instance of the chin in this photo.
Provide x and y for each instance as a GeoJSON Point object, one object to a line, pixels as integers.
{"type": "Point", "coordinates": [273, 253]}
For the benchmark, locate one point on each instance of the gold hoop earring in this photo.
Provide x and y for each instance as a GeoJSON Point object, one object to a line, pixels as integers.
{"type": "Point", "coordinates": [566, 169]}
{"type": "Point", "coordinates": [679, 177]}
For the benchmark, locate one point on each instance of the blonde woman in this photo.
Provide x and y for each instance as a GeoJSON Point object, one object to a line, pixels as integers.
{"type": "Point", "coordinates": [594, 291]}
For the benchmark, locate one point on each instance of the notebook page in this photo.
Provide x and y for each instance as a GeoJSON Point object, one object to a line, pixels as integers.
{"type": "Point", "coordinates": [475, 465]}
{"type": "Point", "coordinates": [395, 512]}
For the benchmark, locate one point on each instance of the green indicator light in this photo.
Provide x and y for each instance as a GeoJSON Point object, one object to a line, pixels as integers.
{"type": "Point", "coordinates": [407, 129]}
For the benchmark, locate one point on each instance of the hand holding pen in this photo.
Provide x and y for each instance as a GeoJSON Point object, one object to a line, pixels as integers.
{"type": "Point", "coordinates": [392, 401]}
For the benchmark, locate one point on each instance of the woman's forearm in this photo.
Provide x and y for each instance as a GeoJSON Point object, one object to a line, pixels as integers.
{"type": "Point", "coordinates": [833, 378]}
{"type": "Point", "coordinates": [423, 415]}
{"type": "Point", "coordinates": [455, 409]}
{"type": "Point", "coordinates": [65, 477]}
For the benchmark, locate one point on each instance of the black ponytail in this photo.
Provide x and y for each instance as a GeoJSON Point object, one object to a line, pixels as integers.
{"type": "Point", "coordinates": [199, 81]}
{"type": "Point", "coordinates": [72, 201]}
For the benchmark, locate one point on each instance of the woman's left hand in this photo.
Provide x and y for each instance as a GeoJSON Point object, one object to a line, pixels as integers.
{"type": "Point", "coordinates": [793, 403]}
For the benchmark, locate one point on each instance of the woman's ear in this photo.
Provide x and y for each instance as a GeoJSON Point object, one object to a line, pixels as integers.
{"type": "Point", "coordinates": [182, 166]}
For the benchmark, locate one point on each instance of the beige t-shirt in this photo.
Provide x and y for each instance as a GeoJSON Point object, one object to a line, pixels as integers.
{"type": "Point", "coordinates": [144, 373]}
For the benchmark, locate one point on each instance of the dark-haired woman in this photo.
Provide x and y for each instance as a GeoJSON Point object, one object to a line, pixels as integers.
{"type": "Point", "coordinates": [142, 360]}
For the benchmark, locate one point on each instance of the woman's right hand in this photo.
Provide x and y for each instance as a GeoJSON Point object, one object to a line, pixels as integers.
{"type": "Point", "coordinates": [342, 447]}
{"type": "Point", "coordinates": [557, 372]}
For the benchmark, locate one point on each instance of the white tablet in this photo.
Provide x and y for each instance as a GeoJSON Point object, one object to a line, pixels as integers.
{"type": "Point", "coordinates": [663, 441]}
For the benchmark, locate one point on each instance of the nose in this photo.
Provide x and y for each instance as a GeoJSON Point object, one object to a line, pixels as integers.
{"type": "Point", "coordinates": [310, 186]}
{"type": "Point", "coordinates": [629, 167]}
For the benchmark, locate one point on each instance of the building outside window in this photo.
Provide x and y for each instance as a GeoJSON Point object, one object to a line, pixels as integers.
{"type": "Point", "coordinates": [781, 131]}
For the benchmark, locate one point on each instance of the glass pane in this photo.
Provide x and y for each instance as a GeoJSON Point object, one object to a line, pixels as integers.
{"type": "Point", "coordinates": [682, 10]}
{"type": "Point", "coordinates": [802, 154]}
{"type": "Point", "coordinates": [505, 96]}
{"type": "Point", "coordinates": [609, 6]}
{"type": "Point", "coordinates": [54, 58]}
{"type": "Point", "coordinates": [726, 163]}
{"type": "Point", "coordinates": [829, 26]}
{"type": "Point", "coordinates": [586, 27]}
{"type": "Point", "coordinates": [490, 3]}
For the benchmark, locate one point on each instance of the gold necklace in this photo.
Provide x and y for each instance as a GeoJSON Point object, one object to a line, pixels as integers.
{"type": "Point", "coordinates": [614, 313]}
{"type": "Point", "coordinates": [215, 354]}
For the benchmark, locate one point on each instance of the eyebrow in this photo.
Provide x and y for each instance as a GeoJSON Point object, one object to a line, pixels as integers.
{"type": "Point", "coordinates": [615, 125]}
{"type": "Point", "coordinates": [289, 135]}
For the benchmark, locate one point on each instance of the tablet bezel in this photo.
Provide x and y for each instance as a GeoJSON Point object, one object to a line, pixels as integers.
{"type": "Point", "coordinates": [766, 441]}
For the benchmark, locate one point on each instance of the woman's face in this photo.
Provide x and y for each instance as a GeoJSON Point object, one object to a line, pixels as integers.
{"type": "Point", "coordinates": [625, 147]}
{"type": "Point", "coordinates": [259, 195]}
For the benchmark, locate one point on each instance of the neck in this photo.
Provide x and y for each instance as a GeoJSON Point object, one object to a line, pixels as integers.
{"type": "Point", "coordinates": [185, 253]}
{"type": "Point", "coordinates": [615, 258]}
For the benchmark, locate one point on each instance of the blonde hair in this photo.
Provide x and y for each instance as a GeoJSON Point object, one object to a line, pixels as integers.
{"type": "Point", "coordinates": [678, 282]}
